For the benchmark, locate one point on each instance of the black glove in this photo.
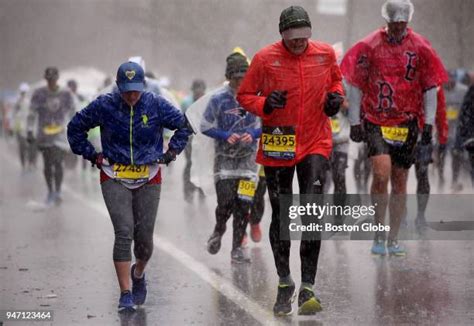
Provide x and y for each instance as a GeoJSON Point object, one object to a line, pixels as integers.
{"type": "Point", "coordinates": [333, 104]}
{"type": "Point", "coordinates": [424, 154]}
{"type": "Point", "coordinates": [29, 137]}
{"type": "Point", "coordinates": [97, 160]}
{"type": "Point", "coordinates": [357, 133]}
{"type": "Point", "coordinates": [426, 135]}
{"type": "Point", "coordinates": [168, 157]}
{"type": "Point", "coordinates": [469, 145]}
{"type": "Point", "coordinates": [275, 100]}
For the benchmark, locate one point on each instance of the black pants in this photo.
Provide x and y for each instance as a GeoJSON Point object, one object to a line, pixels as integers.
{"type": "Point", "coordinates": [471, 159]}
{"type": "Point", "coordinates": [53, 167]}
{"type": "Point", "coordinates": [456, 163]}
{"type": "Point", "coordinates": [279, 181]}
{"type": "Point", "coordinates": [338, 166]}
{"type": "Point", "coordinates": [258, 204]}
{"type": "Point", "coordinates": [228, 203]}
{"type": "Point", "coordinates": [362, 169]}
{"type": "Point", "coordinates": [187, 184]}
{"type": "Point", "coordinates": [422, 187]}
{"type": "Point", "coordinates": [28, 152]}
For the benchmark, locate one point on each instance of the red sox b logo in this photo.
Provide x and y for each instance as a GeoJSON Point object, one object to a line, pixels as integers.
{"type": "Point", "coordinates": [410, 66]}
{"type": "Point", "coordinates": [385, 96]}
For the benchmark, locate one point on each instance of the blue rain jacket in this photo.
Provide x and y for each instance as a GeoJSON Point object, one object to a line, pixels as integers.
{"type": "Point", "coordinates": [129, 135]}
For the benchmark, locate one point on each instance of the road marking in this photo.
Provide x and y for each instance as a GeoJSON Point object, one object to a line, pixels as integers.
{"type": "Point", "coordinates": [218, 282]}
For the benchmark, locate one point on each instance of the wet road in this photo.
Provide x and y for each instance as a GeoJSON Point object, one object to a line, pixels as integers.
{"type": "Point", "coordinates": [60, 259]}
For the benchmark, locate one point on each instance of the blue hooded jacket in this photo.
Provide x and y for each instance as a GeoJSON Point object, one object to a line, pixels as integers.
{"type": "Point", "coordinates": [223, 117]}
{"type": "Point", "coordinates": [129, 135]}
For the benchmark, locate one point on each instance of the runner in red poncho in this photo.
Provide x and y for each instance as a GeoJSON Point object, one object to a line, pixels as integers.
{"type": "Point", "coordinates": [394, 73]}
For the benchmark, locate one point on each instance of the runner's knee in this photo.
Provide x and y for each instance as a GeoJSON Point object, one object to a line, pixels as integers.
{"type": "Point", "coordinates": [143, 249]}
{"type": "Point", "coordinates": [123, 243]}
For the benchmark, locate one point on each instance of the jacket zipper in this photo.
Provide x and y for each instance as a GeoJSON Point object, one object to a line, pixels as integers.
{"type": "Point", "coordinates": [301, 108]}
{"type": "Point", "coordinates": [131, 135]}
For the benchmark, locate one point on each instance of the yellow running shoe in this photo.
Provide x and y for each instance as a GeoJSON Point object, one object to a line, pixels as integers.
{"type": "Point", "coordinates": [308, 304]}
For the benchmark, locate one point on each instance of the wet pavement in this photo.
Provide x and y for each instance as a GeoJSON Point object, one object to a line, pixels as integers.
{"type": "Point", "coordinates": [60, 259]}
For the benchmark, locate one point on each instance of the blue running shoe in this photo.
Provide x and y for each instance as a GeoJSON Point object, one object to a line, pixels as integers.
{"type": "Point", "coordinates": [126, 302]}
{"type": "Point", "coordinates": [138, 287]}
{"type": "Point", "coordinates": [394, 249]}
{"type": "Point", "coordinates": [378, 248]}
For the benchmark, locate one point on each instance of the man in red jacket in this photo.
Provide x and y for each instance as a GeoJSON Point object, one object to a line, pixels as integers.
{"type": "Point", "coordinates": [294, 85]}
{"type": "Point", "coordinates": [394, 73]}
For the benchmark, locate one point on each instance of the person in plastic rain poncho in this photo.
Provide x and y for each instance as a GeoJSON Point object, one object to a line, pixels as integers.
{"type": "Point", "coordinates": [198, 89]}
{"type": "Point", "coordinates": [235, 134]}
{"type": "Point", "coordinates": [28, 151]}
{"type": "Point", "coordinates": [394, 74]}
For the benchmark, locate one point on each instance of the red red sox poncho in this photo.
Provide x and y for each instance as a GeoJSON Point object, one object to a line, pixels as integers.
{"type": "Point", "coordinates": [393, 76]}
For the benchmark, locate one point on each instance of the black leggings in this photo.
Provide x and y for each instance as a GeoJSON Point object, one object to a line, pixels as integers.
{"type": "Point", "coordinates": [362, 169]}
{"type": "Point", "coordinates": [456, 163]}
{"type": "Point", "coordinates": [422, 187]}
{"type": "Point", "coordinates": [228, 203]}
{"type": "Point", "coordinates": [27, 151]}
{"type": "Point", "coordinates": [338, 166]}
{"type": "Point", "coordinates": [280, 181]}
{"type": "Point", "coordinates": [53, 167]}
{"type": "Point", "coordinates": [258, 204]}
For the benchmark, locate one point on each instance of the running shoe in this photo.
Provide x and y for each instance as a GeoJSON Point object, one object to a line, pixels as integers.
{"type": "Point", "coordinates": [308, 304]}
{"type": "Point", "coordinates": [255, 232]}
{"type": "Point", "coordinates": [394, 249]}
{"type": "Point", "coordinates": [57, 198]}
{"type": "Point", "coordinates": [378, 247]}
{"type": "Point", "coordinates": [214, 243]}
{"type": "Point", "coordinates": [285, 297]}
{"type": "Point", "coordinates": [138, 287]}
{"type": "Point", "coordinates": [126, 303]}
{"type": "Point", "coordinates": [50, 200]}
{"type": "Point", "coordinates": [238, 256]}
{"type": "Point", "coordinates": [420, 224]}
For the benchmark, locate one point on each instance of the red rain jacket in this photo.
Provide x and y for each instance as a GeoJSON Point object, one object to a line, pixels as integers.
{"type": "Point", "coordinates": [307, 78]}
{"type": "Point", "coordinates": [393, 77]}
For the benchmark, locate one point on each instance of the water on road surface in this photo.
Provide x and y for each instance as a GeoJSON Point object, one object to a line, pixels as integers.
{"type": "Point", "coordinates": [60, 259]}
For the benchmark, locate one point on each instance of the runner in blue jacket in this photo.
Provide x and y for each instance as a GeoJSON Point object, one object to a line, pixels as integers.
{"type": "Point", "coordinates": [131, 124]}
